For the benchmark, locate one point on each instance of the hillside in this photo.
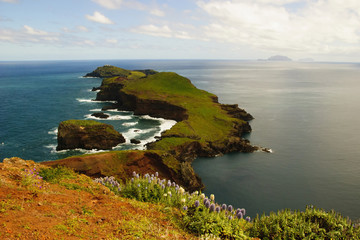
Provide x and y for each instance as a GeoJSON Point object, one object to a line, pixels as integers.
{"type": "Point", "coordinates": [72, 206]}
{"type": "Point", "coordinates": [38, 202]}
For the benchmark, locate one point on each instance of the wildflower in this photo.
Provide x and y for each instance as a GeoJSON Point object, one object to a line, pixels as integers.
{"type": "Point", "coordinates": [173, 184]}
{"type": "Point", "coordinates": [169, 193]}
{"type": "Point", "coordinates": [132, 180]}
{"type": "Point", "coordinates": [230, 208]}
{"type": "Point", "coordinates": [202, 195]}
{"type": "Point", "coordinates": [185, 208]}
{"type": "Point", "coordinates": [217, 209]}
{"type": "Point", "coordinates": [207, 204]}
{"type": "Point", "coordinates": [134, 174]}
{"type": "Point", "coordinates": [137, 175]}
{"type": "Point", "coordinates": [243, 211]}
{"type": "Point", "coordinates": [239, 215]}
{"type": "Point", "coordinates": [183, 200]}
{"type": "Point", "coordinates": [197, 203]}
{"type": "Point", "coordinates": [181, 190]}
{"type": "Point", "coordinates": [169, 183]}
{"type": "Point", "coordinates": [212, 207]}
{"type": "Point", "coordinates": [119, 189]}
{"type": "Point", "coordinates": [196, 193]}
{"type": "Point", "coordinates": [165, 195]}
{"type": "Point", "coordinates": [138, 185]}
{"type": "Point", "coordinates": [248, 219]}
{"type": "Point", "coordinates": [162, 186]}
{"type": "Point", "coordinates": [149, 181]}
{"type": "Point", "coordinates": [205, 200]}
{"type": "Point", "coordinates": [156, 174]}
{"type": "Point", "coordinates": [230, 217]}
{"type": "Point", "coordinates": [223, 207]}
{"type": "Point", "coordinates": [212, 197]}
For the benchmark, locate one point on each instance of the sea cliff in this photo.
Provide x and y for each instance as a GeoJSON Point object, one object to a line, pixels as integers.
{"type": "Point", "coordinates": [204, 126]}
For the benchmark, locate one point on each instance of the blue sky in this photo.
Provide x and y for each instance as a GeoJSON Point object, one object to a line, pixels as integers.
{"type": "Point", "coordinates": [325, 30]}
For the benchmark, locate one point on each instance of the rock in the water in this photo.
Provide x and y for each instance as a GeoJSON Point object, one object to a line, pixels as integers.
{"type": "Point", "coordinates": [100, 115]}
{"type": "Point", "coordinates": [87, 134]}
{"type": "Point", "coordinates": [135, 141]}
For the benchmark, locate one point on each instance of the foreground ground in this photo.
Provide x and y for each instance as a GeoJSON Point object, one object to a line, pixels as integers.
{"type": "Point", "coordinates": [76, 208]}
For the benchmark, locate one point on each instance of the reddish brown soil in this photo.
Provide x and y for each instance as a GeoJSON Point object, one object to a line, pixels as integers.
{"type": "Point", "coordinates": [52, 211]}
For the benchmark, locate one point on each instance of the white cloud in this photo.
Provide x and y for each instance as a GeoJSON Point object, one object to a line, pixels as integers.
{"type": "Point", "coordinates": [32, 31]}
{"type": "Point", "coordinates": [318, 26]}
{"type": "Point", "coordinates": [99, 18]}
{"type": "Point", "coordinates": [157, 12]}
{"type": "Point", "coordinates": [110, 4]}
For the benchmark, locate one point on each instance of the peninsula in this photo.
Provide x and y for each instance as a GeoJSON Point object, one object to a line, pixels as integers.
{"type": "Point", "coordinates": [204, 127]}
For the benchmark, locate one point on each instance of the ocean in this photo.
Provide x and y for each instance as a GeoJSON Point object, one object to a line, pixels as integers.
{"type": "Point", "coordinates": [307, 113]}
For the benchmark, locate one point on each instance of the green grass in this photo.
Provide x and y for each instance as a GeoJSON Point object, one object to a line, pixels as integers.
{"type": "Point", "coordinates": [57, 174]}
{"type": "Point", "coordinates": [206, 122]}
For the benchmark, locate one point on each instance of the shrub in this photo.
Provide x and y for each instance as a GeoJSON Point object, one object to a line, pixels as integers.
{"type": "Point", "coordinates": [314, 223]}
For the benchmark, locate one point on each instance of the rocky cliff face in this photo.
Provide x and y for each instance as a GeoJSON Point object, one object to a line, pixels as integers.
{"type": "Point", "coordinates": [87, 134]}
{"type": "Point", "coordinates": [205, 127]}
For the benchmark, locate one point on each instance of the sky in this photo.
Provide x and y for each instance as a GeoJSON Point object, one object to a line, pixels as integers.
{"type": "Point", "coordinates": [325, 30]}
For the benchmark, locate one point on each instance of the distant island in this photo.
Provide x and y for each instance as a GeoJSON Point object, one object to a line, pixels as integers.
{"type": "Point", "coordinates": [204, 126]}
{"type": "Point", "coordinates": [279, 58]}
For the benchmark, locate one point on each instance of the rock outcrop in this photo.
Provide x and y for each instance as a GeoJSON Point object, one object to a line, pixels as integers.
{"type": "Point", "coordinates": [87, 134]}
{"type": "Point", "coordinates": [100, 115]}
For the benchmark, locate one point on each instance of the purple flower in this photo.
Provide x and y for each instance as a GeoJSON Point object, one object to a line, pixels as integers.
{"type": "Point", "coordinates": [156, 174]}
{"type": "Point", "coordinates": [223, 207]}
{"type": "Point", "coordinates": [230, 208]}
{"type": "Point", "coordinates": [207, 204]}
{"type": "Point", "coordinates": [173, 184]}
{"type": "Point", "coordinates": [138, 185]}
{"type": "Point", "coordinates": [197, 203]}
{"type": "Point", "coordinates": [205, 200]}
{"type": "Point", "coordinates": [132, 180]}
{"type": "Point", "coordinates": [134, 174]}
{"type": "Point", "coordinates": [239, 215]}
{"type": "Point", "coordinates": [243, 211]}
{"type": "Point", "coordinates": [230, 217]}
{"type": "Point", "coordinates": [217, 209]}
{"type": "Point", "coordinates": [212, 207]}
{"type": "Point", "coordinates": [169, 183]}
{"type": "Point", "coordinates": [185, 208]}
{"type": "Point", "coordinates": [248, 219]}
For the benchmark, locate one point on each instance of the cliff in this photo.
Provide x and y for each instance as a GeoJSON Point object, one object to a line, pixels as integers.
{"type": "Point", "coordinates": [204, 126]}
{"type": "Point", "coordinates": [87, 134]}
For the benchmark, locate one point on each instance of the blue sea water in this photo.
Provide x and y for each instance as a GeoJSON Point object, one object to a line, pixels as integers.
{"type": "Point", "coordinates": [307, 113]}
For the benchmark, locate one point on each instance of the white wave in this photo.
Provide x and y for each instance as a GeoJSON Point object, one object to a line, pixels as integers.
{"type": "Point", "coordinates": [119, 117]}
{"type": "Point", "coordinates": [129, 124]}
{"type": "Point", "coordinates": [84, 100]}
{"type": "Point", "coordinates": [53, 131]}
{"type": "Point", "coordinates": [95, 110]}
{"type": "Point", "coordinates": [91, 90]}
{"type": "Point", "coordinates": [2, 144]}
{"type": "Point", "coordinates": [165, 124]}
{"type": "Point", "coordinates": [93, 101]}
{"type": "Point", "coordinates": [86, 77]}
{"type": "Point", "coordinates": [133, 132]}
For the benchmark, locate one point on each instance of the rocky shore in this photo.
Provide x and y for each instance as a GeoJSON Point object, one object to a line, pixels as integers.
{"type": "Point", "coordinates": [204, 126]}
